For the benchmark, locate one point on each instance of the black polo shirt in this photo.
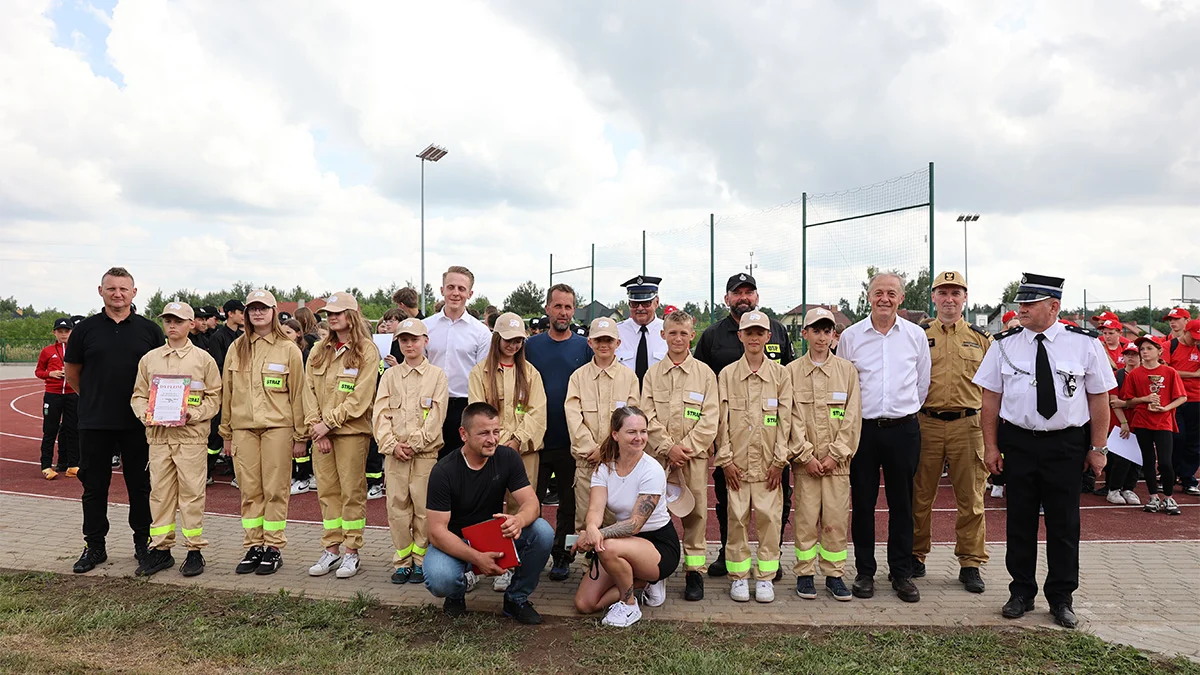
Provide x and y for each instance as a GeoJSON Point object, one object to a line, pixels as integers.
{"type": "Point", "coordinates": [719, 345]}
{"type": "Point", "coordinates": [109, 353]}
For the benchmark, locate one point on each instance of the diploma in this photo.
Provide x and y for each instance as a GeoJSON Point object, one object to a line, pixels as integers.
{"type": "Point", "coordinates": [168, 400]}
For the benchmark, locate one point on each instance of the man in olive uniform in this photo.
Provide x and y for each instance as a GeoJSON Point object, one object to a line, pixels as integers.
{"type": "Point", "coordinates": [950, 432]}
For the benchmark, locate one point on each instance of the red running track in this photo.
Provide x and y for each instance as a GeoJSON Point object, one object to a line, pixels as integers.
{"type": "Point", "coordinates": [20, 437]}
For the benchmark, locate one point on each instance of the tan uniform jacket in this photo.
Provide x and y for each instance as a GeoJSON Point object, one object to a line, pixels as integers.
{"type": "Point", "coordinates": [340, 397]}
{"type": "Point", "coordinates": [410, 407]}
{"type": "Point", "coordinates": [956, 352]}
{"type": "Point", "coordinates": [683, 405]}
{"type": "Point", "coordinates": [204, 397]}
{"type": "Point", "coordinates": [526, 423]}
{"type": "Point", "coordinates": [267, 392]}
{"type": "Point", "coordinates": [756, 418]}
{"type": "Point", "coordinates": [827, 411]}
{"type": "Point", "coordinates": [593, 393]}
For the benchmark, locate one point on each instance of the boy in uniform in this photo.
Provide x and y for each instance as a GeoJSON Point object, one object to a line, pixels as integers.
{"type": "Point", "coordinates": [827, 423]}
{"type": "Point", "coordinates": [752, 450]}
{"type": "Point", "coordinates": [178, 455]}
{"type": "Point", "coordinates": [680, 399]}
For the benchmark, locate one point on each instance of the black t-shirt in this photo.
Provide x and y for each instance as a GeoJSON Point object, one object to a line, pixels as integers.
{"type": "Point", "coordinates": [109, 353]}
{"type": "Point", "coordinates": [219, 343]}
{"type": "Point", "coordinates": [719, 345]}
{"type": "Point", "coordinates": [472, 496]}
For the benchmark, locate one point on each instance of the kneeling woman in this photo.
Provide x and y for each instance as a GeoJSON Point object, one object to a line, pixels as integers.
{"type": "Point", "coordinates": [642, 547]}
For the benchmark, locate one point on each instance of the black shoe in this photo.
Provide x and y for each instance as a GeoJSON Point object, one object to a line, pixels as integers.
{"type": "Point", "coordinates": [89, 559]}
{"type": "Point", "coordinates": [523, 612]}
{"type": "Point", "coordinates": [1016, 607]}
{"type": "Point", "coordinates": [778, 574]}
{"type": "Point", "coordinates": [271, 561]}
{"type": "Point", "coordinates": [970, 578]}
{"type": "Point", "coordinates": [254, 555]}
{"type": "Point", "coordinates": [418, 575]}
{"type": "Point", "coordinates": [141, 547]}
{"type": "Point", "coordinates": [1064, 616]}
{"type": "Point", "coordinates": [918, 569]}
{"type": "Point", "coordinates": [717, 568]}
{"type": "Point", "coordinates": [806, 588]}
{"type": "Point", "coordinates": [864, 587]}
{"type": "Point", "coordinates": [561, 569]}
{"type": "Point", "coordinates": [906, 590]}
{"type": "Point", "coordinates": [153, 562]}
{"type": "Point", "coordinates": [455, 608]}
{"type": "Point", "coordinates": [193, 565]}
{"type": "Point", "coordinates": [401, 574]}
{"type": "Point", "coordinates": [551, 499]}
{"type": "Point", "coordinates": [695, 586]}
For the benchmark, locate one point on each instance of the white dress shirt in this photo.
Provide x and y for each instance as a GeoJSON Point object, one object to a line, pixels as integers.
{"type": "Point", "coordinates": [631, 334]}
{"type": "Point", "coordinates": [455, 346]}
{"type": "Point", "coordinates": [893, 367]}
{"type": "Point", "coordinates": [1008, 369]}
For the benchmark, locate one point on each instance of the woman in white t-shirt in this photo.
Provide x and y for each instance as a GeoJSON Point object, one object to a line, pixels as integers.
{"type": "Point", "coordinates": [642, 547]}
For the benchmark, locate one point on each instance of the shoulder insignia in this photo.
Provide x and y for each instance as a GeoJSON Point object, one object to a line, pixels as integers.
{"type": "Point", "coordinates": [1008, 333]}
{"type": "Point", "coordinates": [926, 323]}
{"type": "Point", "coordinates": [981, 330]}
{"type": "Point", "coordinates": [1082, 331]}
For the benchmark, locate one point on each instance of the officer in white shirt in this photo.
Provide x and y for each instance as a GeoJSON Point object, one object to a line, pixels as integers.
{"type": "Point", "coordinates": [893, 361]}
{"type": "Point", "coordinates": [642, 343]}
{"type": "Point", "coordinates": [1045, 388]}
{"type": "Point", "coordinates": [457, 341]}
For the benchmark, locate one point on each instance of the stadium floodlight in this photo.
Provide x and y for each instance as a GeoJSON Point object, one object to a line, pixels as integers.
{"type": "Point", "coordinates": [430, 154]}
{"type": "Point", "coordinates": [965, 218]}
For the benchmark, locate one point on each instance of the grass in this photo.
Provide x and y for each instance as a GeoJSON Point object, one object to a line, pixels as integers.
{"type": "Point", "coordinates": [57, 624]}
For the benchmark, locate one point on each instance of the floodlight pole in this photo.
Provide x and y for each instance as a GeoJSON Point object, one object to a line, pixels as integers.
{"type": "Point", "coordinates": [430, 154]}
{"type": "Point", "coordinates": [965, 218]}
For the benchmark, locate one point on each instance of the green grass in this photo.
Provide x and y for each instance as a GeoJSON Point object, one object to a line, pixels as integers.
{"type": "Point", "coordinates": [56, 624]}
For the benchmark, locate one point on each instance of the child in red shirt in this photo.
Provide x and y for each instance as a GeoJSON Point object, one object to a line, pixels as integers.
{"type": "Point", "coordinates": [59, 407]}
{"type": "Point", "coordinates": [1153, 421]}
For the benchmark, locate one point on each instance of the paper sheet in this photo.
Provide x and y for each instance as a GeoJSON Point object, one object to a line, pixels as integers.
{"type": "Point", "coordinates": [383, 341]}
{"type": "Point", "coordinates": [168, 400]}
{"type": "Point", "coordinates": [1124, 447]}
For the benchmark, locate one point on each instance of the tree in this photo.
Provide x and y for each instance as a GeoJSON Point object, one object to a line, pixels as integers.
{"type": "Point", "coordinates": [917, 293]}
{"type": "Point", "coordinates": [526, 300]}
{"type": "Point", "coordinates": [844, 305]}
{"type": "Point", "coordinates": [479, 304]}
{"type": "Point", "coordinates": [1010, 292]}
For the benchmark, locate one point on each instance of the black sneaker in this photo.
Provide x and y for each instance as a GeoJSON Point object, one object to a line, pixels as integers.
{"type": "Point", "coordinates": [254, 555]}
{"type": "Point", "coordinates": [561, 569]}
{"type": "Point", "coordinates": [523, 612]}
{"type": "Point", "coordinates": [805, 587]}
{"type": "Point", "coordinates": [837, 588]}
{"type": "Point", "coordinates": [551, 499]}
{"type": "Point", "coordinates": [271, 561]}
{"type": "Point", "coordinates": [89, 559]}
{"type": "Point", "coordinates": [418, 575]}
{"type": "Point", "coordinates": [695, 586]}
{"type": "Point", "coordinates": [455, 608]}
{"type": "Point", "coordinates": [918, 569]}
{"type": "Point", "coordinates": [400, 575]}
{"type": "Point", "coordinates": [154, 561]}
{"type": "Point", "coordinates": [717, 568]}
{"type": "Point", "coordinates": [193, 565]}
{"type": "Point", "coordinates": [971, 579]}
{"type": "Point", "coordinates": [141, 547]}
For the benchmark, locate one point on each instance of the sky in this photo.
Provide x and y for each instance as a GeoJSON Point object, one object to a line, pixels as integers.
{"type": "Point", "coordinates": [202, 142]}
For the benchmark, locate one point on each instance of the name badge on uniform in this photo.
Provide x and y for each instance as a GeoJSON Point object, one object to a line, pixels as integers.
{"type": "Point", "coordinates": [838, 395]}
{"type": "Point", "coordinates": [194, 398]}
{"type": "Point", "coordinates": [276, 367]}
{"type": "Point", "coordinates": [272, 382]}
{"type": "Point", "coordinates": [772, 403]}
{"type": "Point", "coordinates": [350, 372]}
{"type": "Point", "coordinates": [345, 387]}
{"type": "Point", "coordinates": [837, 414]}
{"type": "Point", "coordinates": [696, 396]}
{"type": "Point", "coordinates": [770, 420]}
{"type": "Point", "coordinates": [618, 404]}
{"type": "Point", "coordinates": [691, 413]}
{"type": "Point", "coordinates": [427, 403]}
{"type": "Point", "coordinates": [197, 384]}
{"type": "Point", "coordinates": [772, 348]}
{"type": "Point", "coordinates": [930, 342]}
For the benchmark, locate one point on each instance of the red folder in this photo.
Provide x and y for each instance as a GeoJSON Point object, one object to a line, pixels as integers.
{"type": "Point", "coordinates": [487, 537]}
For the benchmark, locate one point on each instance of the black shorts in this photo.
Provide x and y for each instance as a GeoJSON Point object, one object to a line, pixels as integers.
{"type": "Point", "coordinates": [666, 541]}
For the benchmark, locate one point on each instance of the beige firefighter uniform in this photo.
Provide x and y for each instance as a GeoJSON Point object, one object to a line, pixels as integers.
{"type": "Point", "coordinates": [683, 406]}
{"type": "Point", "coordinates": [755, 423]}
{"type": "Point", "coordinates": [593, 393]}
{"type": "Point", "coordinates": [828, 407]}
{"type": "Point", "coordinates": [522, 425]}
{"type": "Point", "coordinates": [262, 413]}
{"type": "Point", "coordinates": [410, 407]}
{"type": "Point", "coordinates": [179, 455]}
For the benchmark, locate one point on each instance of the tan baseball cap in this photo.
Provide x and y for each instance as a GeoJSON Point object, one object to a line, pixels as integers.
{"type": "Point", "coordinates": [340, 302]}
{"type": "Point", "coordinates": [751, 319]}
{"type": "Point", "coordinates": [262, 297]}
{"type": "Point", "coordinates": [179, 310]}
{"type": "Point", "coordinates": [411, 327]}
{"type": "Point", "coordinates": [951, 278]}
{"type": "Point", "coordinates": [603, 327]}
{"type": "Point", "coordinates": [818, 314]}
{"type": "Point", "coordinates": [510, 326]}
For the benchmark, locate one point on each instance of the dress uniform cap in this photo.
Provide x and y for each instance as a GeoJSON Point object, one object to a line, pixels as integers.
{"type": "Point", "coordinates": [63, 323]}
{"type": "Point", "coordinates": [680, 501]}
{"type": "Point", "coordinates": [1037, 287]}
{"type": "Point", "coordinates": [1177, 313]}
{"type": "Point", "coordinates": [952, 278]}
{"type": "Point", "coordinates": [817, 314]}
{"type": "Point", "coordinates": [234, 306]}
{"type": "Point", "coordinates": [262, 297]}
{"type": "Point", "coordinates": [742, 279]}
{"type": "Point", "coordinates": [179, 310]}
{"type": "Point", "coordinates": [642, 288]}
{"type": "Point", "coordinates": [603, 327]}
{"type": "Point", "coordinates": [340, 302]}
{"type": "Point", "coordinates": [510, 326]}
{"type": "Point", "coordinates": [411, 327]}
{"type": "Point", "coordinates": [752, 319]}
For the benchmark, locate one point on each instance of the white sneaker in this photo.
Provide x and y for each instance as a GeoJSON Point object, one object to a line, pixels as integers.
{"type": "Point", "coordinates": [312, 482]}
{"type": "Point", "coordinates": [299, 487]}
{"type": "Point", "coordinates": [375, 492]}
{"type": "Point", "coordinates": [233, 482]}
{"type": "Point", "coordinates": [656, 593]}
{"type": "Point", "coordinates": [621, 615]}
{"type": "Point", "coordinates": [1153, 505]}
{"type": "Point", "coordinates": [1115, 497]}
{"type": "Point", "coordinates": [471, 579]}
{"type": "Point", "coordinates": [998, 491]}
{"type": "Point", "coordinates": [1170, 507]}
{"type": "Point", "coordinates": [1130, 497]}
{"type": "Point", "coordinates": [740, 590]}
{"type": "Point", "coordinates": [349, 566]}
{"type": "Point", "coordinates": [326, 563]}
{"type": "Point", "coordinates": [764, 591]}
{"type": "Point", "coordinates": [501, 582]}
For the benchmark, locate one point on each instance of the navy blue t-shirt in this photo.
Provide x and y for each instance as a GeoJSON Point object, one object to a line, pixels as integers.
{"type": "Point", "coordinates": [555, 361]}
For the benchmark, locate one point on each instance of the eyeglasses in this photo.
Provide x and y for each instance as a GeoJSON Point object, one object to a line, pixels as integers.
{"type": "Point", "coordinates": [258, 309]}
{"type": "Point", "coordinates": [641, 303]}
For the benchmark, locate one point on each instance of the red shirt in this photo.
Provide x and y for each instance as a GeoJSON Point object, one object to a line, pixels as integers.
{"type": "Point", "coordinates": [1138, 384]}
{"type": "Point", "coordinates": [50, 359]}
{"type": "Point", "coordinates": [1116, 357]}
{"type": "Point", "coordinates": [1185, 359]}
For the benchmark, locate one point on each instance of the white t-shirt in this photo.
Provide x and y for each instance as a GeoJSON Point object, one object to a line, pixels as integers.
{"type": "Point", "coordinates": [647, 478]}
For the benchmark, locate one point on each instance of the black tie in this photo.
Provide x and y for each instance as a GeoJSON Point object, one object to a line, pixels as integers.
{"type": "Point", "coordinates": [643, 358]}
{"type": "Point", "coordinates": [1047, 404]}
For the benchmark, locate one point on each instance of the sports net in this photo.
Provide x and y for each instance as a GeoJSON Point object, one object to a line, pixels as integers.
{"type": "Point", "coordinates": [1190, 288]}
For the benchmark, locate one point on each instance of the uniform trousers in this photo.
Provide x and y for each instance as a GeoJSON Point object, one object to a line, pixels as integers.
{"type": "Point", "coordinates": [767, 505]}
{"type": "Point", "coordinates": [263, 460]}
{"type": "Point", "coordinates": [407, 488]}
{"type": "Point", "coordinates": [897, 450]}
{"type": "Point", "coordinates": [721, 490]}
{"type": "Point", "coordinates": [97, 448]}
{"type": "Point", "coordinates": [60, 420]}
{"type": "Point", "coordinates": [1122, 473]}
{"type": "Point", "coordinates": [177, 474]}
{"type": "Point", "coordinates": [820, 523]}
{"type": "Point", "coordinates": [342, 489]}
{"type": "Point", "coordinates": [960, 442]}
{"type": "Point", "coordinates": [695, 524]}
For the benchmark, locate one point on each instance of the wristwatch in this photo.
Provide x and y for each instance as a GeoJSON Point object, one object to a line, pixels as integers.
{"type": "Point", "coordinates": [1103, 450]}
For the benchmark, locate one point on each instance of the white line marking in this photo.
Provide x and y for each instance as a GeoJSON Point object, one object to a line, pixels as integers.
{"type": "Point", "coordinates": [13, 405]}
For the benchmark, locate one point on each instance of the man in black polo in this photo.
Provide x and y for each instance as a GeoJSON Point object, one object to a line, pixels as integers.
{"type": "Point", "coordinates": [101, 364]}
{"type": "Point", "coordinates": [718, 347]}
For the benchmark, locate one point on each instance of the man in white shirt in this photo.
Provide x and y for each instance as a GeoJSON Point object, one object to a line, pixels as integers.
{"type": "Point", "coordinates": [642, 343]}
{"type": "Point", "coordinates": [457, 341]}
{"type": "Point", "coordinates": [893, 361]}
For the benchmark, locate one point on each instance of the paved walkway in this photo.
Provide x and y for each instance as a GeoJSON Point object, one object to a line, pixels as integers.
{"type": "Point", "coordinates": [1130, 593]}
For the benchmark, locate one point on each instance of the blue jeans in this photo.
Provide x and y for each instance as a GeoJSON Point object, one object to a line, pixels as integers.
{"type": "Point", "coordinates": [444, 573]}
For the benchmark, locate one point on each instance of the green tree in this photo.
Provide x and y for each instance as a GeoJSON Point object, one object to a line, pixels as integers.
{"type": "Point", "coordinates": [479, 304]}
{"type": "Point", "coordinates": [526, 300]}
{"type": "Point", "coordinates": [1010, 292]}
{"type": "Point", "coordinates": [917, 293]}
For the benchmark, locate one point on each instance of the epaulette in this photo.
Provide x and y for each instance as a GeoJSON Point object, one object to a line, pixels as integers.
{"type": "Point", "coordinates": [981, 330]}
{"type": "Point", "coordinates": [1082, 331]}
{"type": "Point", "coordinates": [1008, 333]}
{"type": "Point", "coordinates": [925, 324]}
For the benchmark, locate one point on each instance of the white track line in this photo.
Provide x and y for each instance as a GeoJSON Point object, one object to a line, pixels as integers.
{"type": "Point", "coordinates": [13, 404]}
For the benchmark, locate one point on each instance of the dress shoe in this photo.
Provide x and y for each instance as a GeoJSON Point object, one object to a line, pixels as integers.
{"type": "Point", "coordinates": [1016, 607]}
{"type": "Point", "coordinates": [864, 586]}
{"type": "Point", "coordinates": [971, 580]}
{"type": "Point", "coordinates": [1064, 616]}
{"type": "Point", "coordinates": [906, 590]}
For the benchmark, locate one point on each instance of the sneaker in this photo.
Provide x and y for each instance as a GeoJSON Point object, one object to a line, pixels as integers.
{"type": "Point", "coordinates": [326, 563]}
{"type": "Point", "coordinates": [271, 561]}
{"type": "Point", "coordinates": [454, 608]}
{"type": "Point", "coordinates": [73, 471]}
{"type": "Point", "coordinates": [739, 590]}
{"type": "Point", "coordinates": [312, 482]}
{"type": "Point", "coordinates": [695, 586]}
{"type": "Point", "coordinates": [500, 584]}
{"type": "Point", "coordinates": [551, 499]}
{"type": "Point", "coordinates": [1193, 490]}
{"type": "Point", "coordinates": [522, 611]}
{"type": "Point", "coordinates": [560, 569]}
{"type": "Point", "coordinates": [299, 487]}
{"type": "Point", "coordinates": [400, 575]}
{"type": "Point", "coordinates": [806, 589]}
{"type": "Point", "coordinates": [1171, 507]}
{"type": "Point", "coordinates": [116, 462]}
{"type": "Point", "coordinates": [1153, 505]}
{"type": "Point", "coordinates": [141, 548]}
{"type": "Point", "coordinates": [837, 588]}
{"type": "Point", "coordinates": [717, 568]}
{"type": "Point", "coordinates": [621, 615]}
{"type": "Point", "coordinates": [89, 559]}
{"type": "Point", "coordinates": [656, 593]}
{"type": "Point", "coordinates": [764, 591]}
{"type": "Point", "coordinates": [418, 575]}
{"type": "Point", "coordinates": [1130, 497]}
{"type": "Point", "coordinates": [209, 481]}
{"type": "Point", "coordinates": [998, 491]}
{"type": "Point", "coordinates": [471, 579]}
{"type": "Point", "coordinates": [1115, 497]}
{"type": "Point", "coordinates": [155, 560]}
{"type": "Point", "coordinates": [375, 492]}
{"type": "Point", "coordinates": [349, 566]}
{"type": "Point", "coordinates": [193, 565]}
{"type": "Point", "coordinates": [233, 482]}
{"type": "Point", "coordinates": [49, 474]}
{"type": "Point", "coordinates": [253, 557]}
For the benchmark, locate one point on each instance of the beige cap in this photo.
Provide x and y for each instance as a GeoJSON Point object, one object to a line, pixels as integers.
{"type": "Point", "coordinates": [261, 297]}
{"type": "Point", "coordinates": [180, 310]}
{"type": "Point", "coordinates": [510, 326]}
{"type": "Point", "coordinates": [750, 319]}
{"type": "Point", "coordinates": [411, 327]}
{"type": "Point", "coordinates": [680, 501]}
{"type": "Point", "coordinates": [950, 278]}
{"type": "Point", "coordinates": [818, 314]}
{"type": "Point", "coordinates": [603, 327]}
{"type": "Point", "coordinates": [340, 302]}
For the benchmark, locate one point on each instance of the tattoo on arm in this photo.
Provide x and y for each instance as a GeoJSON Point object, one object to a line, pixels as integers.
{"type": "Point", "coordinates": [641, 512]}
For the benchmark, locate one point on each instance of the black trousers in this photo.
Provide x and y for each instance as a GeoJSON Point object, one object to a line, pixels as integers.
{"type": "Point", "coordinates": [302, 470]}
{"type": "Point", "coordinates": [1153, 441]}
{"type": "Point", "coordinates": [450, 435]}
{"type": "Point", "coordinates": [1042, 471]}
{"type": "Point", "coordinates": [560, 462]}
{"type": "Point", "coordinates": [374, 464]}
{"type": "Point", "coordinates": [216, 445]}
{"type": "Point", "coordinates": [1122, 473]}
{"type": "Point", "coordinates": [722, 493]}
{"type": "Point", "coordinates": [97, 448]}
{"type": "Point", "coordinates": [1186, 458]}
{"type": "Point", "coordinates": [60, 420]}
{"type": "Point", "coordinates": [896, 450]}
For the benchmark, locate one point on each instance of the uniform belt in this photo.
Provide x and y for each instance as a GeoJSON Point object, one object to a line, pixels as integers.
{"type": "Point", "coordinates": [884, 422]}
{"type": "Point", "coordinates": [950, 415]}
{"type": "Point", "coordinates": [1032, 432]}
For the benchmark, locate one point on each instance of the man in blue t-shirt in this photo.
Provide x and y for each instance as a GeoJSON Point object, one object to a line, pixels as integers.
{"type": "Point", "coordinates": [556, 354]}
